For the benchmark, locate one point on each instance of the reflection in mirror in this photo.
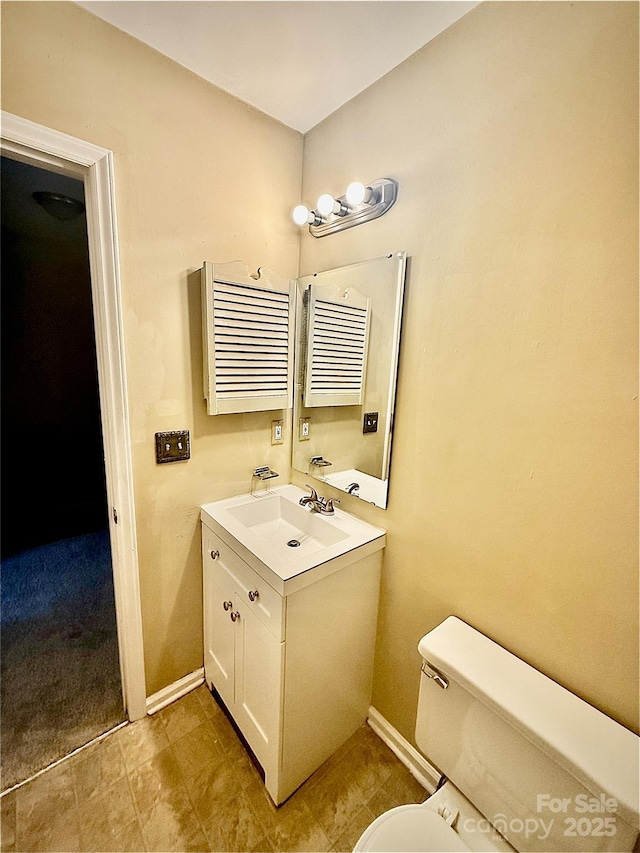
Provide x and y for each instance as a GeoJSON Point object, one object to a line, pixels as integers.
{"type": "Point", "coordinates": [348, 338]}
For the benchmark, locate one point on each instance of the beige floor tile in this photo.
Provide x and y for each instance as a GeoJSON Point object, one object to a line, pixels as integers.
{"type": "Point", "coordinates": [399, 789]}
{"type": "Point", "coordinates": [299, 831]}
{"type": "Point", "coordinates": [242, 765]}
{"type": "Point", "coordinates": [157, 779]}
{"type": "Point", "coordinates": [171, 825]}
{"type": "Point", "coordinates": [181, 780]}
{"type": "Point", "coordinates": [207, 702]}
{"type": "Point", "coordinates": [334, 802]}
{"type": "Point", "coordinates": [262, 804]}
{"type": "Point", "coordinates": [126, 839]}
{"type": "Point", "coordinates": [368, 766]}
{"type": "Point", "coordinates": [212, 788]}
{"type": "Point", "coordinates": [103, 815]}
{"type": "Point", "coordinates": [379, 748]}
{"type": "Point", "coordinates": [182, 717]}
{"type": "Point", "coordinates": [141, 740]}
{"type": "Point", "coordinates": [347, 841]}
{"type": "Point", "coordinates": [233, 826]}
{"type": "Point", "coordinates": [264, 846]}
{"type": "Point", "coordinates": [197, 749]}
{"type": "Point", "coordinates": [97, 768]}
{"type": "Point", "coordinates": [224, 732]}
{"type": "Point", "coordinates": [40, 804]}
{"type": "Point", "coordinates": [294, 808]}
{"type": "Point", "coordinates": [8, 822]}
{"type": "Point", "coordinates": [59, 834]}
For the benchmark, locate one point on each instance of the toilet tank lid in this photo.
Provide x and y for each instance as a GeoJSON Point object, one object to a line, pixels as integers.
{"type": "Point", "coordinates": [599, 752]}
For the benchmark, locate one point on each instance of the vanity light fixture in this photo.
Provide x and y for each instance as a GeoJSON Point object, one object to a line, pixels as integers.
{"type": "Point", "coordinates": [360, 203]}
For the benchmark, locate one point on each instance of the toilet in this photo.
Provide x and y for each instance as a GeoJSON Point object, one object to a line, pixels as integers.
{"type": "Point", "coordinates": [528, 766]}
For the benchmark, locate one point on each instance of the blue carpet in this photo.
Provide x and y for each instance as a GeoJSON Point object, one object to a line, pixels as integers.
{"type": "Point", "coordinates": [60, 684]}
{"type": "Point", "coordinates": [33, 582]}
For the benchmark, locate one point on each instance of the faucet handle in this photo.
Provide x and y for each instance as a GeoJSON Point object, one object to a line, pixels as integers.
{"type": "Point", "coordinates": [328, 508]}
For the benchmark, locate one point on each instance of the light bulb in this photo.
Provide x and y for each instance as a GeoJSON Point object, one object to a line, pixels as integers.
{"type": "Point", "coordinates": [355, 193]}
{"type": "Point", "coordinates": [301, 215]}
{"type": "Point", "coordinates": [326, 205]}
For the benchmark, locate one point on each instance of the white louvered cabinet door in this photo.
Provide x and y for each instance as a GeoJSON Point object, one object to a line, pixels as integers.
{"type": "Point", "coordinates": [247, 339]}
{"type": "Point", "coordinates": [337, 344]}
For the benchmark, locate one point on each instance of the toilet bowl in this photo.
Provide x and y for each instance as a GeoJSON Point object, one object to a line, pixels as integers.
{"type": "Point", "coordinates": [446, 821]}
{"type": "Point", "coordinates": [513, 745]}
{"type": "Point", "coordinates": [409, 829]}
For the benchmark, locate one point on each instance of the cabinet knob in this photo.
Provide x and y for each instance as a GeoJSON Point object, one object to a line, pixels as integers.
{"type": "Point", "coordinates": [214, 554]}
{"type": "Point", "coordinates": [253, 594]}
{"type": "Point", "coordinates": [227, 605]}
{"type": "Point", "coordinates": [234, 616]}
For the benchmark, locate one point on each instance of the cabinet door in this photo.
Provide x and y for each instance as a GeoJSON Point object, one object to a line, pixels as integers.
{"type": "Point", "coordinates": [259, 661]}
{"type": "Point", "coordinates": [220, 630]}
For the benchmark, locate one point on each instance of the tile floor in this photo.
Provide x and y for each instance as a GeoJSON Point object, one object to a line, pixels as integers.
{"type": "Point", "coordinates": [181, 781]}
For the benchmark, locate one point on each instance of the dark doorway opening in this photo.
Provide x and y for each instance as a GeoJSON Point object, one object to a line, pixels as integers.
{"type": "Point", "coordinates": [61, 682]}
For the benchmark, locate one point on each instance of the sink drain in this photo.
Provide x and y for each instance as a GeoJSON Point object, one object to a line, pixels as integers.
{"type": "Point", "coordinates": [293, 543]}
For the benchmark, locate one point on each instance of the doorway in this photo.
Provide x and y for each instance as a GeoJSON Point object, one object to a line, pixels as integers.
{"type": "Point", "coordinates": [61, 684]}
{"type": "Point", "coordinates": [43, 147]}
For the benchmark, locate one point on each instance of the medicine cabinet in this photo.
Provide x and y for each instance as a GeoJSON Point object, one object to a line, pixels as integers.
{"type": "Point", "coordinates": [247, 339]}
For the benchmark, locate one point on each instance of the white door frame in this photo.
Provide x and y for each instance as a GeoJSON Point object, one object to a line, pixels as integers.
{"type": "Point", "coordinates": [46, 148]}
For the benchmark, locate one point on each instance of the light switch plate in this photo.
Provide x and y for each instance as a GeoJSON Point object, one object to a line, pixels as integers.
{"type": "Point", "coordinates": [173, 446]}
{"type": "Point", "coordinates": [370, 422]}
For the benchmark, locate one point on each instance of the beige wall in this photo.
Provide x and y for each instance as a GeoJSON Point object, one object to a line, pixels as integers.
{"type": "Point", "coordinates": [513, 497]}
{"type": "Point", "coordinates": [199, 176]}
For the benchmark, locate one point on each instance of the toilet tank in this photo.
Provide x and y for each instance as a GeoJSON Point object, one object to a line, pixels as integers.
{"type": "Point", "coordinates": [547, 770]}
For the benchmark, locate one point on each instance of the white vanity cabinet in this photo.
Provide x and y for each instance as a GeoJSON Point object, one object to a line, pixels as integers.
{"type": "Point", "coordinates": [244, 644]}
{"type": "Point", "coordinates": [291, 659]}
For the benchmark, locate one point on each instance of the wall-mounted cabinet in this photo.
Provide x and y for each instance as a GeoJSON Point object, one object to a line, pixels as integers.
{"type": "Point", "coordinates": [247, 337]}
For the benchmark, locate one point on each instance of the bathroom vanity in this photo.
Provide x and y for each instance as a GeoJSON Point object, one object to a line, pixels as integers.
{"type": "Point", "coordinates": [289, 629]}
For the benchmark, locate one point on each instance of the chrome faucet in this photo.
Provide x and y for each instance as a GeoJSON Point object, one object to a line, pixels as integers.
{"type": "Point", "coordinates": [319, 504]}
{"type": "Point", "coordinates": [313, 500]}
{"type": "Point", "coordinates": [327, 506]}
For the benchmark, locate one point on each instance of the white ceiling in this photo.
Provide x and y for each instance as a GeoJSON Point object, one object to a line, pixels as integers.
{"type": "Point", "coordinates": [296, 60]}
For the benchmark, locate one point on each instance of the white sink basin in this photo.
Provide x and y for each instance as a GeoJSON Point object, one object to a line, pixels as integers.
{"type": "Point", "coordinates": [289, 539]}
{"type": "Point", "coordinates": [279, 522]}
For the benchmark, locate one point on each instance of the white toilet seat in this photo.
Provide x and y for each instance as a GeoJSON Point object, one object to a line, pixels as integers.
{"type": "Point", "coordinates": [410, 829]}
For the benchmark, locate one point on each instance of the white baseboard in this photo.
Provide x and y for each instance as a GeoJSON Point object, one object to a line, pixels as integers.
{"type": "Point", "coordinates": [414, 761]}
{"type": "Point", "coordinates": [174, 691]}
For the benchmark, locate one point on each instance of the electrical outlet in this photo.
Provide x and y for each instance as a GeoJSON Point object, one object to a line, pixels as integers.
{"type": "Point", "coordinates": [304, 429]}
{"type": "Point", "coordinates": [173, 446]}
{"type": "Point", "coordinates": [277, 432]}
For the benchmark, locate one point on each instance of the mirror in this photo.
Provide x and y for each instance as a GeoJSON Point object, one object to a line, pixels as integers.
{"type": "Point", "coordinates": [347, 344]}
